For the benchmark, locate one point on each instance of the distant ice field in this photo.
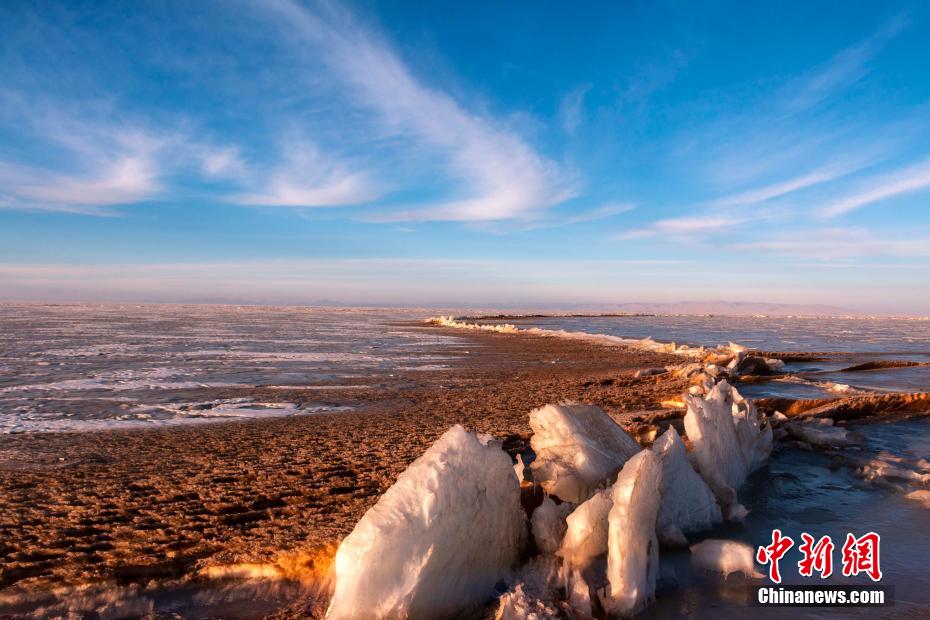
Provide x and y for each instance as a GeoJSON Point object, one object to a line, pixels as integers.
{"type": "Point", "coordinates": [85, 367]}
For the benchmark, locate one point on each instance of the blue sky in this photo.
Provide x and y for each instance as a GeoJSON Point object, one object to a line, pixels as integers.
{"type": "Point", "coordinates": [480, 153]}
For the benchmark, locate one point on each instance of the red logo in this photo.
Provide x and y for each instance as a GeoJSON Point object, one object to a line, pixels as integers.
{"type": "Point", "coordinates": [860, 555]}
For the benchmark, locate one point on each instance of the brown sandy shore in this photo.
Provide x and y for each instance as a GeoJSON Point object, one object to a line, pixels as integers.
{"type": "Point", "coordinates": [153, 504]}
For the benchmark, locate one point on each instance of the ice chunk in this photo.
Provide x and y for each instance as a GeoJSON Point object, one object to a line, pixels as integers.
{"type": "Point", "coordinates": [754, 365]}
{"type": "Point", "coordinates": [737, 512]}
{"type": "Point", "coordinates": [725, 556]}
{"type": "Point", "coordinates": [438, 540]}
{"type": "Point", "coordinates": [689, 370]}
{"type": "Point", "coordinates": [710, 427]}
{"type": "Point", "coordinates": [729, 438]}
{"type": "Point", "coordinates": [632, 548]}
{"type": "Point", "coordinates": [753, 431]}
{"type": "Point", "coordinates": [534, 594]}
{"type": "Point", "coordinates": [775, 365]}
{"type": "Point", "coordinates": [520, 605]}
{"type": "Point", "coordinates": [519, 468]}
{"type": "Point", "coordinates": [649, 372]}
{"type": "Point", "coordinates": [688, 505]}
{"type": "Point", "coordinates": [548, 524]}
{"type": "Point", "coordinates": [579, 595]}
{"type": "Point", "coordinates": [737, 348]}
{"type": "Point", "coordinates": [578, 447]}
{"type": "Point", "coordinates": [586, 532]}
{"type": "Point", "coordinates": [883, 468]}
{"type": "Point", "coordinates": [819, 433]}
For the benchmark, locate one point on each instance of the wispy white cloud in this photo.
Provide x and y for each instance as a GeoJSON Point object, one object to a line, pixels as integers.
{"type": "Point", "coordinates": [876, 189]}
{"type": "Point", "coordinates": [781, 188]}
{"type": "Point", "coordinates": [97, 159]}
{"type": "Point", "coordinates": [308, 178]}
{"type": "Point", "coordinates": [500, 175]}
{"type": "Point", "coordinates": [96, 164]}
{"type": "Point", "coordinates": [221, 161]}
{"type": "Point", "coordinates": [685, 226]}
{"type": "Point", "coordinates": [122, 181]}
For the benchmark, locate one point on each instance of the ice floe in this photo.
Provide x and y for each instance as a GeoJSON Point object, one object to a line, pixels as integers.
{"type": "Point", "coordinates": [586, 531]}
{"type": "Point", "coordinates": [632, 547]}
{"type": "Point", "coordinates": [578, 447]}
{"type": "Point", "coordinates": [438, 540]}
{"type": "Point", "coordinates": [548, 525]}
{"type": "Point", "coordinates": [819, 432]}
{"type": "Point", "coordinates": [886, 468]}
{"type": "Point", "coordinates": [688, 505]}
{"type": "Point", "coordinates": [730, 440]}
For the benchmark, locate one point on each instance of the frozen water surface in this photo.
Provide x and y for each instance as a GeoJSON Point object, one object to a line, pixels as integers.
{"type": "Point", "coordinates": [859, 339]}
{"type": "Point", "coordinates": [77, 367]}
{"type": "Point", "coordinates": [770, 333]}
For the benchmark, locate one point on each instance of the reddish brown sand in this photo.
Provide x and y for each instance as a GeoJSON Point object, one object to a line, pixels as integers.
{"type": "Point", "coordinates": [130, 506]}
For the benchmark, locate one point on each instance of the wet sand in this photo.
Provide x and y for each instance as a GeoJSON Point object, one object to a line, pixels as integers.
{"type": "Point", "coordinates": [167, 504]}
